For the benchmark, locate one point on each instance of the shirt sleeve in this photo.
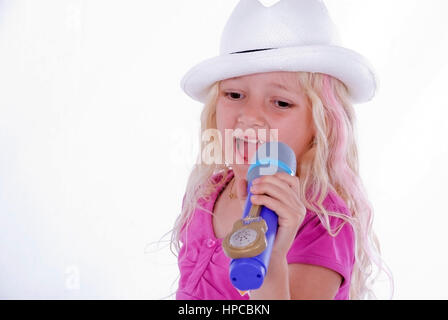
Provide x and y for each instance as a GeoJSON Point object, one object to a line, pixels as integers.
{"type": "Point", "coordinates": [314, 245]}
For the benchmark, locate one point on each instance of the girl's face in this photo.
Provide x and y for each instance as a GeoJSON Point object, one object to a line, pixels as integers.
{"type": "Point", "coordinates": [267, 101]}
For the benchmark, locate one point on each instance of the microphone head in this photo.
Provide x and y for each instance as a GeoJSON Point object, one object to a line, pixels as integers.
{"type": "Point", "coordinates": [270, 158]}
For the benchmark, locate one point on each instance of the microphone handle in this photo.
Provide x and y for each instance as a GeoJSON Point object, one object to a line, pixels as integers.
{"type": "Point", "coordinates": [249, 273]}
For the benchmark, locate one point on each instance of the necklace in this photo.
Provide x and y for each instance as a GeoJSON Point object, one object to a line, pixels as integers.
{"type": "Point", "coordinates": [231, 194]}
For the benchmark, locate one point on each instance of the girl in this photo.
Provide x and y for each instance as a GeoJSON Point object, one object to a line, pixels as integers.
{"type": "Point", "coordinates": [281, 70]}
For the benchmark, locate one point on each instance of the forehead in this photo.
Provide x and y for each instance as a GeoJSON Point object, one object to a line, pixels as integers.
{"type": "Point", "coordinates": [282, 80]}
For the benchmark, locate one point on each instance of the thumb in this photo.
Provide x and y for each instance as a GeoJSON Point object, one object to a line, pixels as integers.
{"type": "Point", "coordinates": [241, 189]}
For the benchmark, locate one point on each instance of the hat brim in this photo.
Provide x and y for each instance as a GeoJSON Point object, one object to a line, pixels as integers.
{"type": "Point", "coordinates": [342, 63]}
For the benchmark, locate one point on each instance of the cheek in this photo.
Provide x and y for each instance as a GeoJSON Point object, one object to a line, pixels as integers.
{"type": "Point", "coordinates": [223, 121]}
{"type": "Point", "coordinates": [297, 135]}
{"type": "Point", "coordinates": [220, 120]}
{"type": "Point", "coordinates": [224, 117]}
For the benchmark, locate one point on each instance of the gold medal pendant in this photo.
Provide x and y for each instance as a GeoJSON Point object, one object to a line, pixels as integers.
{"type": "Point", "coordinates": [247, 238]}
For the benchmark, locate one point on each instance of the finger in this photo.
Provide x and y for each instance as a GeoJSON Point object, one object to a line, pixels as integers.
{"type": "Point", "coordinates": [292, 181]}
{"type": "Point", "coordinates": [283, 178]}
{"type": "Point", "coordinates": [280, 192]}
{"type": "Point", "coordinates": [276, 179]}
{"type": "Point", "coordinates": [288, 217]}
{"type": "Point", "coordinates": [272, 203]}
{"type": "Point", "coordinates": [284, 213]}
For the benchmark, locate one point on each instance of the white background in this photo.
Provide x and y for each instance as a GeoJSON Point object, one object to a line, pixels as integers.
{"type": "Point", "coordinates": [97, 140]}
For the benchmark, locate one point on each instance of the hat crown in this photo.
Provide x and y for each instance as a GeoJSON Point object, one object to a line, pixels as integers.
{"type": "Point", "coordinates": [287, 23]}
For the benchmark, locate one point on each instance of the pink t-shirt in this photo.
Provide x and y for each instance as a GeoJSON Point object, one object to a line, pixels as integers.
{"type": "Point", "coordinates": [204, 268]}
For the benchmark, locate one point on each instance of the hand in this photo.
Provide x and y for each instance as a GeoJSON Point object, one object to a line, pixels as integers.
{"type": "Point", "coordinates": [281, 194]}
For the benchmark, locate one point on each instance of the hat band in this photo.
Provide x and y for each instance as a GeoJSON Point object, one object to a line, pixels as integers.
{"type": "Point", "coordinates": [254, 50]}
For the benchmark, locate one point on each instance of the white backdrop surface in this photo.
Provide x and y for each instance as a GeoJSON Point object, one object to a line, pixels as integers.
{"type": "Point", "coordinates": [97, 140]}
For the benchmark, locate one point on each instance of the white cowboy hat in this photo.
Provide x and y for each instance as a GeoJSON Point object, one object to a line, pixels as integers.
{"type": "Point", "coordinates": [291, 35]}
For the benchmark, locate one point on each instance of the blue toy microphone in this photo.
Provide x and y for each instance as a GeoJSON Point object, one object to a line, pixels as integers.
{"type": "Point", "coordinates": [250, 242]}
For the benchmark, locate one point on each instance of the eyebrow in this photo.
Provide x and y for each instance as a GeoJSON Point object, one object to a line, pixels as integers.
{"type": "Point", "coordinates": [276, 85]}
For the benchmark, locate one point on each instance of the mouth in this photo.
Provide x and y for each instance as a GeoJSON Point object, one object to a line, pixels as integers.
{"type": "Point", "coordinates": [245, 149]}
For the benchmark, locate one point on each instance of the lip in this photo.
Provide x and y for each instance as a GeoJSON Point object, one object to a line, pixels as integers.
{"type": "Point", "coordinates": [243, 158]}
{"type": "Point", "coordinates": [248, 139]}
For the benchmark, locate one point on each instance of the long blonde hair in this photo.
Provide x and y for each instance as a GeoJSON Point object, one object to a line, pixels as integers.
{"type": "Point", "coordinates": [331, 163]}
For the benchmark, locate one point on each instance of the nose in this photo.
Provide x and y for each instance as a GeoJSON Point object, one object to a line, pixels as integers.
{"type": "Point", "coordinates": [251, 114]}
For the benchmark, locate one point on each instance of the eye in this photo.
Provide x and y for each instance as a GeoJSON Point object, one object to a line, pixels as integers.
{"type": "Point", "coordinates": [282, 104]}
{"type": "Point", "coordinates": [233, 95]}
